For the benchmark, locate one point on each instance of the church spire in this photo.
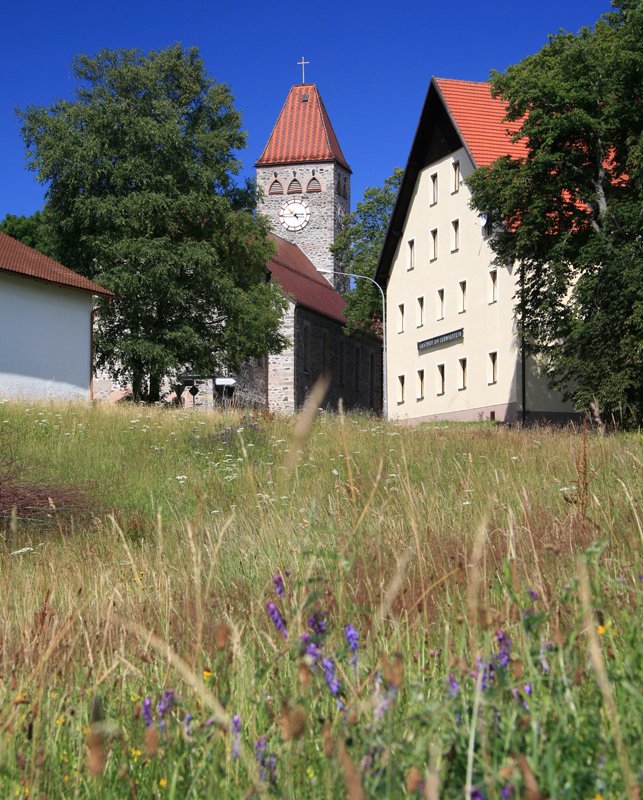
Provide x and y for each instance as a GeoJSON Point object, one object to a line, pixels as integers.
{"type": "Point", "coordinates": [303, 132]}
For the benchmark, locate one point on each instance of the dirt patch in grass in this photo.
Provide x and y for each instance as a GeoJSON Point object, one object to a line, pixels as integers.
{"type": "Point", "coordinates": [29, 500]}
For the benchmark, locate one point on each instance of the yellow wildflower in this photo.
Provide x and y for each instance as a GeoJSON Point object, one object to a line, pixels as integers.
{"type": "Point", "coordinates": [135, 753]}
{"type": "Point", "coordinates": [66, 778]}
{"type": "Point", "coordinates": [162, 782]}
{"type": "Point", "coordinates": [600, 630]}
{"type": "Point", "coordinates": [207, 674]}
{"type": "Point", "coordinates": [60, 719]}
{"type": "Point", "coordinates": [310, 772]}
{"type": "Point", "coordinates": [598, 797]}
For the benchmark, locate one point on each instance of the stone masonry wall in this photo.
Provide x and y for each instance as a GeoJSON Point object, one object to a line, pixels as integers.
{"type": "Point", "coordinates": [281, 369]}
{"type": "Point", "coordinates": [327, 207]}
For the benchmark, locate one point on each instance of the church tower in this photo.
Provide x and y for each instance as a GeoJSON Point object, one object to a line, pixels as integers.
{"type": "Point", "coordinates": [305, 179]}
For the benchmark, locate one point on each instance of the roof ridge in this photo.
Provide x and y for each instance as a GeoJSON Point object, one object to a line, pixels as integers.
{"type": "Point", "coordinates": [462, 80]}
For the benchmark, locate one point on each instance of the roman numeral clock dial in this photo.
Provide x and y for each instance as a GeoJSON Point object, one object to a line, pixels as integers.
{"type": "Point", "coordinates": [294, 215]}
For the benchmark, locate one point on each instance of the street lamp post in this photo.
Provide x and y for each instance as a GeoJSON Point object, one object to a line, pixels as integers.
{"type": "Point", "coordinates": [381, 291]}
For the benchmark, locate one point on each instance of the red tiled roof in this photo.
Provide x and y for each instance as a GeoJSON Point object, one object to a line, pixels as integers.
{"type": "Point", "coordinates": [303, 132]}
{"type": "Point", "coordinates": [297, 276]}
{"type": "Point", "coordinates": [480, 120]}
{"type": "Point", "coordinates": [22, 260]}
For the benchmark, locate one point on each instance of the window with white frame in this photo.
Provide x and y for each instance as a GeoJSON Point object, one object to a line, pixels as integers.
{"type": "Point", "coordinates": [440, 382]}
{"type": "Point", "coordinates": [434, 244]}
{"type": "Point", "coordinates": [434, 188]}
{"type": "Point", "coordinates": [400, 318]}
{"type": "Point", "coordinates": [400, 389]}
{"type": "Point", "coordinates": [420, 385]}
{"type": "Point", "coordinates": [462, 297]}
{"type": "Point", "coordinates": [462, 374]}
{"type": "Point", "coordinates": [440, 304]}
{"type": "Point", "coordinates": [493, 285]}
{"type": "Point", "coordinates": [411, 255]}
{"type": "Point", "coordinates": [492, 368]}
{"type": "Point", "coordinates": [455, 177]}
{"type": "Point", "coordinates": [455, 235]}
{"type": "Point", "coordinates": [420, 312]}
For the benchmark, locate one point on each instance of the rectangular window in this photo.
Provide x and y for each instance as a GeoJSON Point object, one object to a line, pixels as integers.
{"type": "Point", "coordinates": [434, 244]}
{"type": "Point", "coordinates": [400, 318]}
{"type": "Point", "coordinates": [455, 235]}
{"type": "Point", "coordinates": [411, 261]}
{"type": "Point", "coordinates": [440, 305]}
{"type": "Point", "coordinates": [493, 286]}
{"type": "Point", "coordinates": [462, 297]}
{"type": "Point", "coordinates": [441, 383]}
{"type": "Point", "coordinates": [456, 180]}
{"type": "Point", "coordinates": [306, 348]}
{"type": "Point", "coordinates": [434, 188]}
{"type": "Point", "coordinates": [400, 389]}
{"type": "Point", "coordinates": [420, 385]}
{"type": "Point", "coordinates": [356, 369]}
{"type": "Point", "coordinates": [462, 376]}
{"type": "Point", "coordinates": [420, 312]}
{"type": "Point", "coordinates": [493, 368]}
{"type": "Point", "coordinates": [325, 352]}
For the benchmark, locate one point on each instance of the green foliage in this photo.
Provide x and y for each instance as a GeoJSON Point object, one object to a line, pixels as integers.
{"type": "Point", "coordinates": [141, 197]}
{"type": "Point", "coordinates": [358, 247]}
{"type": "Point", "coordinates": [31, 231]}
{"type": "Point", "coordinates": [572, 210]}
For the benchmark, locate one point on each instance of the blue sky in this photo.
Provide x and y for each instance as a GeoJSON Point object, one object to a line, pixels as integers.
{"type": "Point", "coordinates": [372, 62]}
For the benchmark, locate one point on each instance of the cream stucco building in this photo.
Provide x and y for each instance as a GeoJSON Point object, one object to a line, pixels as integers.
{"type": "Point", "coordinates": [453, 347]}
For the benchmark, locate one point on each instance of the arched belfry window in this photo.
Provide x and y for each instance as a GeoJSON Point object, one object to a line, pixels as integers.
{"type": "Point", "coordinates": [276, 188]}
{"type": "Point", "coordinates": [313, 185]}
{"type": "Point", "coordinates": [294, 187]}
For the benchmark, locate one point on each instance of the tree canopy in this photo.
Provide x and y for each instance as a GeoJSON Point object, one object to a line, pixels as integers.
{"type": "Point", "coordinates": [571, 212]}
{"type": "Point", "coordinates": [31, 231]}
{"type": "Point", "coordinates": [140, 168]}
{"type": "Point", "coordinates": [358, 247]}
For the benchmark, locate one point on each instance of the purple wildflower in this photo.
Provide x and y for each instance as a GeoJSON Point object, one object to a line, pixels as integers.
{"type": "Point", "coordinates": [328, 665]}
{"type": "Point", "coordinates": [186, 724]}
{"type": "Point", "coordinates": [148, 714]}
{"type": "Point", "coordinates": [236, 737]}
{"type": "Point", "coordinates": [454, 686]}
{"type": "Point", "coordinates": [278, 583]}
{"type": "Point", "coordinates": [533, 594]}
{"type": "Point", "coordinates": [352, 637]}
{"type": "Point", "coordinates": [317, 622]}
{"type": "Point", "coordinates": [384, 699]}
{"type": "Point", "coordinates": [476, 794]}
{"type": "Point", "coordinates": [266, 763]}
{"type": "Point", "coordinates": [280, 625]}
{"type": "Point", "coordinates": [503, 656]}
{"type": "Point", "coordinates": [166, 704]}
{"type": "Point", "coordinates": [310, 649]}
{"type": "Point", "coordinates": [507, 792]}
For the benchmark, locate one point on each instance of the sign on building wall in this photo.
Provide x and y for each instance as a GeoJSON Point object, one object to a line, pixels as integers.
{"type": "Point", "coordinates": [452, 336]}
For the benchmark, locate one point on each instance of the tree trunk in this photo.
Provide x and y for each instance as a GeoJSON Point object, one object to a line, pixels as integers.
{"type": "Point", "coordinates": [154, 394]}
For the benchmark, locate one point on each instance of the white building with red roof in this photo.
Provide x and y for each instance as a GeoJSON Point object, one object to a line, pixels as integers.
{"type": "Point", "coordinates": [45, 326]}
{"type": "Point", "coordinates": [453, 347]}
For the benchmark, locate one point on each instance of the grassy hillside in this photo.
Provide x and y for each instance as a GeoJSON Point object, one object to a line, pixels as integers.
{"type": "Point", "coordinates": [203, 605]}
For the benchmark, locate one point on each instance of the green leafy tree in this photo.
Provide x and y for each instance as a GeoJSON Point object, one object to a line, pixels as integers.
{"type": "Point", "coordinates": [31, 231]}
{"type": "Point", "coordinates": [140, 168]}
{"type": "Point", "coordinates": [572, 210]}
{"type": "Point", "coordinates": [358, 247]}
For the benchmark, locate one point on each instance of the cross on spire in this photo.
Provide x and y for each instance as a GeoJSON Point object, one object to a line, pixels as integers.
{"type": "Point", "coordinates": [302, 64]}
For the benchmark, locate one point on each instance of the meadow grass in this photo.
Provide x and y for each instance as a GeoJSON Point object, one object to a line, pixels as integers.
{"type": "Point", "coordinates": [180, 628]}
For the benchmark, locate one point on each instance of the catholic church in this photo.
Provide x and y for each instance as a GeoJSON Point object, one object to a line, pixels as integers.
{"type": "Point", "coordinates": [303, 180]}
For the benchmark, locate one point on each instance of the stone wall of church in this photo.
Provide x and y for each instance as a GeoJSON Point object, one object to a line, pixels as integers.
{"type": "Point", "coordinates": [354, 363]}
{"type": "Point", "coordinates": [327, 207]}
{"type": "Point", "coordinates": [281, 369]}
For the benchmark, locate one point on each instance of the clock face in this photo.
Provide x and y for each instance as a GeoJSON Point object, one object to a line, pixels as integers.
{"type": "Point", "coordinates": [294, 215]}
